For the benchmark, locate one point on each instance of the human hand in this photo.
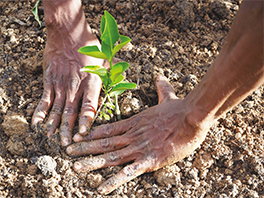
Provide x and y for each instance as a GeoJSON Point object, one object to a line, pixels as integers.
{"type": "Point", "coordinates": [158, 136]}
{"type": "Point", "coordinates": [64, 85]}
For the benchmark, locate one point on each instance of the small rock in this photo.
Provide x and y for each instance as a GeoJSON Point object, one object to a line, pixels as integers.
{"type": "Point", "coordinates": [95, 180]}
{"type": "Point", "coordinates": [46, 164]}
{"type": "Point", "coordinates": [169, 175]}
{"type": "Point", "coordinates": [203, 160]}
{"type": "Point", "coordinates": [130, 106]}
{"type": "Point", "coordinates": [16, 146]}
{"type": "Point", "coordinates": [33, 64]}
{"type": "Point", "coordinates": [32, 169]}
{"type": "Point", "coordinates": [14, 124]}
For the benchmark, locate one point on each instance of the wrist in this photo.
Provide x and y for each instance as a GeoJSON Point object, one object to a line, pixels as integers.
{"type": "Point", "coordinates": [66, 24]}
{"type": "Point", "coordinates": [198, 118]}
{"type": "Point", "coordinates": [200, 108]}
{"type": "Point", "coordinates": [60, 13]}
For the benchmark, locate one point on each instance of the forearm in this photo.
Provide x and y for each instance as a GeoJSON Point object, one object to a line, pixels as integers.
{"type": "Point", "coordinates": [66, 17]}
{"type": "Point", "coordinates": [236, 72]}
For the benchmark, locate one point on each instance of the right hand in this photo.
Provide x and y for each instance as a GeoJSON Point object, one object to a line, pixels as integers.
{"type": "Point", "coordinates": [158, 136]}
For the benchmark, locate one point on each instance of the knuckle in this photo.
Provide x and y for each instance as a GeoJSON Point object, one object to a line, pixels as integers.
{"type": "Point", "coordinates": [86, 102]}
{"type": "Point", "coordinates": [69, 110]}
{"type": "Point", "coordinates": [113, 156]}
{"type": "Point", "coordinates": [105, 143]}
{"type": "Point", "coordinates": [64, 129]}
{"type": "Point", "coordinates": [88, 107]}
{"type": "Point", "coordinates": [46, 97]}
{"type": "Point", "coordinates": [75, 81]}
{"type": "Point", "coordinates": [57, 110]}
{"type": "Point", "coordinates": [130, 170]}
{"type": "Point", "coordinates": [80, 147]}
{"type": "Point", "coordinates": [83, 119]}
{"type": "Point", "coordinates": [151, 160]}
{"type": "Point", "coordinates": [106, 130]}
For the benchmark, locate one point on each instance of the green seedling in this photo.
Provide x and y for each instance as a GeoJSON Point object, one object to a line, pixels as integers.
{"type": "Point", "coordinates": [113, 80]}
{"type": "Point", "coordinates": [35, 13]}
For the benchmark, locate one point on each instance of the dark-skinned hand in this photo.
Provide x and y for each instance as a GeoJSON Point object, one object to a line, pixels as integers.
{"type": "Point", "coordinates": [65, 87]}
{"type": "Point", "coordinates": [148, 141]}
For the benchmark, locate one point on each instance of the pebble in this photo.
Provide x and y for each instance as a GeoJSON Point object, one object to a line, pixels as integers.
{"type": "Point", "coordinates": [46, 164]}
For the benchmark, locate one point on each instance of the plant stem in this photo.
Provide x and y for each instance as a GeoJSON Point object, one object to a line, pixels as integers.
{"type": "Point", "coordinates": [117, 110]}
{"type": "Point", "coordinates": [98, 110]}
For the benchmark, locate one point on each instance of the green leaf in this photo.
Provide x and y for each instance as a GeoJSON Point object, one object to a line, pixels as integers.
{"type": "Point", "coordinates": [109, 105]}
{"type": "Point", "coordinates": [106, 49]}
{"type": "Point", "coordinates": [92, 51]}
{"type": "Point", "coordinates": [95, 69]}
{"type": "Point", "coordinates": [124, 40]}
{"type": "Point", "coordinates": [117, 80]}
{"type": "Point", "coordinates": [110, 34]}
{"type": "Point", "coordinates": [35, 13]}
{"type": "Point", "coordinates": [121, 87]}
{"type": "Point", "coordinates": [109, 111]}
{"type": "Point", "coordinates": [102, 26]}
{"type": "Point", "coordinates": [118, 69]}
{"type": "Point", "coordinates": [99, 70]}
{"type": "Point", "coordinates": [107, 117]}
{"type": "Point", "coordinates": [118, 92]}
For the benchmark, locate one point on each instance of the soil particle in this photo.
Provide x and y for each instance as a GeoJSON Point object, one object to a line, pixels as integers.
{"type": "Point", "coordinates": [14, 124]}
{"type": "Point", "coordinates": [15, 146]}
{"type": "Point", "coordinates": [95, 180]}
{"type": "Point", "coordinates": [130, 105]}
{"type": "Point", "coordinates": [179, 39]}
{"type": "Point", "coordinates": [46, 164]}
{"type": "Point", "coordinates": [169, 175]}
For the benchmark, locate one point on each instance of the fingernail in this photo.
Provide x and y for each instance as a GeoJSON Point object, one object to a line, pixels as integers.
{"type": "Point", "coordinates": [103, 190]}
{"type": "Point", "coordinates": [69, 150]}
{"type": "Point", "coordinates": [77, 138]}
{"type": "Point", "coordinates": [82, 129]}
{"type": "Point", "coordinates": [78, 166]}
{"type": "Point", "coordinates": [65, 141]}
{"type": "Point", "coordinates": [49, 134]}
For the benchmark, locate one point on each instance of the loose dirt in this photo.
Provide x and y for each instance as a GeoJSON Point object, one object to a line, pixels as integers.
{"type": "Point", "coordinates": [179, 38]}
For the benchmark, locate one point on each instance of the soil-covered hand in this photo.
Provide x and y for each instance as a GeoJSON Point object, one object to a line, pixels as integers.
{"type": "Point", "coordinates": [64, 85]}
{"type": "Point", "coordinates": [150, 140]}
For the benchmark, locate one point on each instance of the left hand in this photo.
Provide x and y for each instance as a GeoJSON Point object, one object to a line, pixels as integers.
{"type": "Point", "coordinates": [158, 136]}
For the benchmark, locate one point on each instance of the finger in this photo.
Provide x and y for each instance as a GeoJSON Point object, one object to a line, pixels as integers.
{"type": "Point", "coordinates": [126, 174]}
{"type": "Point", "coordinates": [109, 130]}
{"type": "Point", "coordinates": [97, 146]}
{"type": "Point", "coordinates": [56, 112]}
{"type": "Point", "coordinates": [101, 161]}
{"type": "Point", "coordinates": [68, 120]}
{"type": "Point", "coordinates": [164, 89]}
{"type": "Point", "coordinates": [89, 104]}
{"type": "Point", "coordinates": [43, 106]}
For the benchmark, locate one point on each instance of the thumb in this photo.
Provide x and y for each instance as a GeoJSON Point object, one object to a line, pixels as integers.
{"type": "Point", "coordinates": [164, 89]}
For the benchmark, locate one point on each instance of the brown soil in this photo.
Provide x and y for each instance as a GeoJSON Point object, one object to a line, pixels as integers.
{"type": "Point", "coordinates": [178, 38]}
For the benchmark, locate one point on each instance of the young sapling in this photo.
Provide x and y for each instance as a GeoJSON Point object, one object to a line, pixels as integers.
{"type": "Point", "coordinates": [113, 80]}
{"type": "Point", "coordinates": [35, 13]}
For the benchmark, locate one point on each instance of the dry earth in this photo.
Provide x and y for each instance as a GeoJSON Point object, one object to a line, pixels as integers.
{"type": "Point", "coordinates": [179, 38]}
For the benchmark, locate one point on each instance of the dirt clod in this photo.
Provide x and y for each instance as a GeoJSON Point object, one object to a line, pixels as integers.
{"type": "Point", "coordinates": [178, 38]}
{"type": "Point", "coordinates": [46, 164]}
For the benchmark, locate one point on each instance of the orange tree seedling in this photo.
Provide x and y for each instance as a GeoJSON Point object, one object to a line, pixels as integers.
{"type": "Point", "coordinates": [113, 80]}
